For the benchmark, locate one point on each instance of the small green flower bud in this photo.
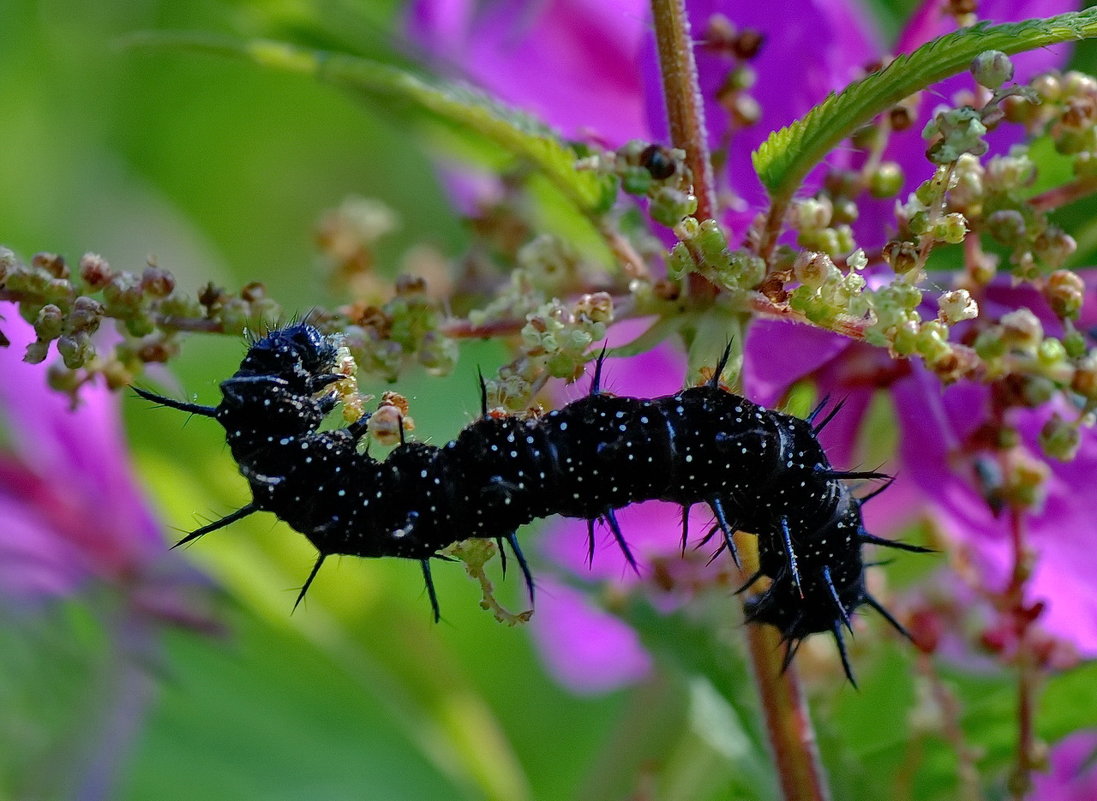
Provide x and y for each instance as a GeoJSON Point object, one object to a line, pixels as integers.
{"type": "Point", "coordinates": [905, 338]}
{"type": "Point", "coordinates": [1065, 291]}
{"type": "Point", "coordinates": [687, 229]}
{"type": "Point", "coordinates": [1007, 226]}
{"type": "Point", "coordinates": [814, 269]}
{"type": "Point", "coordinates": [680, 261]}
{"type": "Point", "coordinates": [76, 349]}
{"type": "Point", "coordinates": [961, 131]}
{"type": "Point", "coordinates": [596, 306]}
{"type": "Point", "coordinates": [95, 271]}
{"type": "Point", "coordinates": [952, 228]}
{"type": "Point", "coordinates": [955, 306]}
{"type": "Point", "coordinates": [140, 324]}
{"type": "Point", "coordinates": [1025, 480]}
{"type": "Point", "coordinates": [156, 283]}
{"type": "Point", "coordinates": [636, 180]}
{"type": "Point", "coordinates": [1047, 86]}
{"type": "Point", "coordinates": [1020, 110]}
{"type": "Point", "coordinates": [990, 344]}
{"type": "Point", "coordinates": [52, 263]}
{"type": "Point", "coordinates": [1075, 343]}
{"type": "Point", "coordinates": [743, 270]}
{"type": "Point", "coordinates": [1051, 352]}
{"type": "Point", "coordinates": [845, 211]}
{"type": "Point", "coordinates": [670, 205]}
{"type": "Point", "coordinates": [992, 68]}
{"type": "Point", "coordinates": [1054, 246]}
{"type": "Point", "coordinates": [745, 110]}
{"type": "Point", "coordinates": [1010, 173]}
{"type": "Point", "coordinates": [712, 243]}
{"type": "Point", "coordinates": [886, 180]}
{"type": "Point", "coordinates": [1022, 330]}
{"type": "Point", "coordinates": [1084, 380]}
{"type": "Point", "coordinates": [85, 316]}
{"type": "Point", "coordinates": [901, 256]}
{"type": "Point", "coordinates": [933, 340]}
{"type": "Point", "coordinates": [37, 351]}
{"type": "Point", "coordinates": [1078, 84]}
{"type": "Point", "coordinates": [49, 322]}
{"type": "Point", "coordinates": [1060, 439]}
{"type": "Point", "coordinates": [813, 213]}
{"type": "Point", "coordinates": [1037, 390]}
{"type": "Point", "coordinates": [742, 78]}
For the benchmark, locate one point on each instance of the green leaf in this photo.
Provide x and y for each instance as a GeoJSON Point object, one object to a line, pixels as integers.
{"type": "Point", "coordinates": [788, 155]}
{"type": "Point", "coordinates": [470, 120]}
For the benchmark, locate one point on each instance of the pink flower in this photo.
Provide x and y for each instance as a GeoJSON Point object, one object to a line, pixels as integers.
{"type": "Point", "coordinates": [71, 506]}
{"type": "Point", "coordinates": [73, 516]}
{"type": "Point", "coordinates": [1073, 773]}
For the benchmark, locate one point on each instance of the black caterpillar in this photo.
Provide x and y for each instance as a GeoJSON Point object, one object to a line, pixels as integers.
{"type": "Point", "coordinates": [759, 470]}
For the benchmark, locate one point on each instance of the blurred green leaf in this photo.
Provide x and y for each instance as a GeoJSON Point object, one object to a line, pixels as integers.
{"type": "Point", "coordinates": [471, 121]}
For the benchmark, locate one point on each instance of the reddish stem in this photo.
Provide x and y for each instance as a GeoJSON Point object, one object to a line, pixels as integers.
{"type": "Point", "coordinates": [682, 94]}
{"type": "Point", "coordinates": [788, 724]}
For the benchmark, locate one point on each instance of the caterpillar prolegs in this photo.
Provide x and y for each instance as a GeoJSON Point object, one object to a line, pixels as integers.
{"type": "Point", "coordinates": [759, 470]}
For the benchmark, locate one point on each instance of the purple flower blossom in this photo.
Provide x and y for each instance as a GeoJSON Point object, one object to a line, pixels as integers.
{"type": "Point", "coordinates": [1073, 773]}
{"type": "Point", "coordinates": [73, 515]}
{"type": "Point", "coordinates": [72, 508]}
{"type": "Point", "coordinates": [506, 51]}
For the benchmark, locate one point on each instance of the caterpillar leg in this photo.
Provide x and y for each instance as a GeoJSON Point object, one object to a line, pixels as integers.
{"type": "Point", "coordinates": [718, 370]}
{"type": "Point", "coordinates": [429, 581]}
{"type": "Point", "coordinates": [899, 627]}
{"type": "Point", "coordinates": [512, 541]}
{"type": "Point", "coordinates": [790, 559]}
{"type": "Point", "coordinates": [726, 528]}
{"type": "Point", "coordinates": [308, 582]}
{"type": "Point", "coordinates": [840, 641]}
{"type": "Point", "coordinates": [872, 539]}
{"type": "Point", "coordinates": [189, 408]}
{"type": "Point", "coordinates": [483, 394]}
{"type": "Point", "coordinates": [224, 521]}
{"type": "Point", "coordinates": [611, 520]}
{"type": "Point", "coordinates": [839, 607]}
{"type": "Point", "coordinates": [685, 526]}
{"type": "Point", "coordinates": [750, 582]}
{"type": "Point", "coordinates": [596, 382]}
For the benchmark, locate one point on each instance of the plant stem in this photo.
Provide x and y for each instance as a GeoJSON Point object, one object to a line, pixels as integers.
{"type": "Point", "coordinates": [1028, 671]}
{"type": "Point", "coordinates": [788, 724]}
{"type": "Point", "coordinates": [682, 94]}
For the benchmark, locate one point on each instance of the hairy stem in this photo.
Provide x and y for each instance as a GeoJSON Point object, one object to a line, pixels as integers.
{"type": "Point", "coordinates": [685, 109]}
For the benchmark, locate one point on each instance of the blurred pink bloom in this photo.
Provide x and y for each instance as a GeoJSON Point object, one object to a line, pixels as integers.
{"type": "Point", "coordinates": [74, 517]}
{"type": "Point", "coordinates": [1073, 773]}
{"type": "Point", "coordinates": [71, 506]}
